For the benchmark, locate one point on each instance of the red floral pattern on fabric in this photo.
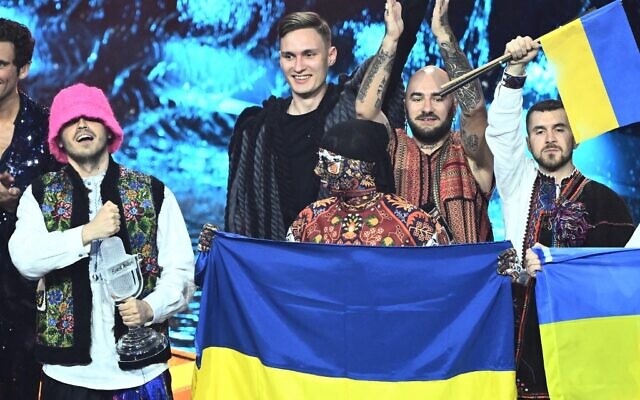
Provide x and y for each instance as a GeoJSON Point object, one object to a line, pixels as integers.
{"type": "Point", "coordinates": [389, 221]}
{"type": "Point", "coordinates": [446, 172]}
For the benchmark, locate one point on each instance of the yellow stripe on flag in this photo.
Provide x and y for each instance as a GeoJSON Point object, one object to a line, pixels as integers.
{"type": "Point", "coordinates": [594, 358]}
{"type": "Point", "coordinates": [228, 374]}
{"type": "Point", "coordinates": [579, 81]}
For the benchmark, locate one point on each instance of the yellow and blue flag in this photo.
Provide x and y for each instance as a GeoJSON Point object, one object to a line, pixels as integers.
{"type": "Point", "coordinates": [589, 312]}
{"type": "Point", "coordinates": [309, 321]}
{"type": "Point", "coordinates": [597, 65]}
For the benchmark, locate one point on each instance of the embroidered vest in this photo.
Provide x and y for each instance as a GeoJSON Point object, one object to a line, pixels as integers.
{"type": "Point", "coordinates": [562, 216]}
{"type": "Point", "coordinates": [64, 306]}
{"type": "Point", "coordinates": [443, 180]}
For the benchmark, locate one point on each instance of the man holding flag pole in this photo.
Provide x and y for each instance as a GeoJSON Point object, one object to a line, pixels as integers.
{"type": "Point", "coordinates": [545, 200]}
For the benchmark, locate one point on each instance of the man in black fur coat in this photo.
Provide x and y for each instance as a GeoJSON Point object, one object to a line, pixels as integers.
{"type": "Point", "coordinates": [274, 148]}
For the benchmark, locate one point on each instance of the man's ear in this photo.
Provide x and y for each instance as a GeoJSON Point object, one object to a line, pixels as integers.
{"type": "Point", "coordinates": [528, 143]}
{"type": "Point", "coordinates": [24, 71]}
{"type": "Point", "coordinates": [333, 55]}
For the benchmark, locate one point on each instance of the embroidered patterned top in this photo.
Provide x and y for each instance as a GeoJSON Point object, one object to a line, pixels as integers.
{"type": "Point", "coordinates": [65, 301]}
{"type": "Point", "coordinates": [443, 179]}
{"type": "Point", "coordinates": [577, 212]}
{"type": "Point", "coordinates": [386, 220]}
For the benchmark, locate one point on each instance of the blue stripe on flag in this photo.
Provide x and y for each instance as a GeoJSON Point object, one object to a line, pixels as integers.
{"type": "Point", "coordinates": [616, 53]}
{"type": "Point", "coordinates": [588, 283]}
{"type": "Point", "coordinates": [374, 313]}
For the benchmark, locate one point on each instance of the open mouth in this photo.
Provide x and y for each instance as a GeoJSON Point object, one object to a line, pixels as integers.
{"type": "Point", "coordinates": [428, 118]}
{"type": "Point", "coordinates": [84, 137]}
{"type": "Point", "coordinates": [301, 77]}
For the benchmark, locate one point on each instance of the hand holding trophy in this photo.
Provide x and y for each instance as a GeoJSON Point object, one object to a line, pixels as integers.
{"type": "Point", "coordinates": [123, 279]}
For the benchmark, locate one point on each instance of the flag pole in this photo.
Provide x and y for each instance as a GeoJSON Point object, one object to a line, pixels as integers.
{"type": "Point", "coordinates": [465, 78]}
{"type": "Point", "coordinates": [469, 76]}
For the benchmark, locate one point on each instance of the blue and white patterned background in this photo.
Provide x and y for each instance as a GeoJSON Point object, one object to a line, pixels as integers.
{"type": "Point", "coordinates": [179, 72]}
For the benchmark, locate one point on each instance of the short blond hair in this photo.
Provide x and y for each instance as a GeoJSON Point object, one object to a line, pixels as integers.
{"type": "Point", "coordinates": [303, 20]}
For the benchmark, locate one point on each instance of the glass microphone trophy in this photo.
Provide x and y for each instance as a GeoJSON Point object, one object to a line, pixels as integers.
{"type": "Point", "coordinates": [123, 279]}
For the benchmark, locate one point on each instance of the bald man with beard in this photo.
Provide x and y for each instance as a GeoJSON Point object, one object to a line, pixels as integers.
{"type": "Point", "coordinates": [437, 168]}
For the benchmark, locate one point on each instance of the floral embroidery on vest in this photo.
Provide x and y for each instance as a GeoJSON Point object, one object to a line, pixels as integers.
{"type": "Point", "coordinates": [56, 321]}
{"type": "Point", "coordinates": [140, 217]}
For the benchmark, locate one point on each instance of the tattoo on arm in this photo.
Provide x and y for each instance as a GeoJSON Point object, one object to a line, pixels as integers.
{"type": "Point", "coordinates": [380, 94]}
{"type": "Point", "coordinates": [381, 60]}
{"type": "Point", "coordinates": [456, 63]}
{"type": "Point", "coordinates": [470, 141]}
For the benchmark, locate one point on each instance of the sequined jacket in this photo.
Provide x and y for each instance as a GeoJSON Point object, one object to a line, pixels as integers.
{"type": "Point", "coordinates": [26, 158]}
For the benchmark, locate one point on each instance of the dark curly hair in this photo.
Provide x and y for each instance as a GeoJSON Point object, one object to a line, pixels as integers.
{"type": "Point", "coordinates": [20, 36]}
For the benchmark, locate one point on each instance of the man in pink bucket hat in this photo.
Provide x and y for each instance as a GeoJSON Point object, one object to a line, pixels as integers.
{"type": "Point", "coordinates": [66, 215]}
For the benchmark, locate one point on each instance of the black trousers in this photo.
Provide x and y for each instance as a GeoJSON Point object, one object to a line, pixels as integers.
{"type": "Point", "coordinates": [55, 390]}
{"type": "Point", "coordinates": [19, 370]}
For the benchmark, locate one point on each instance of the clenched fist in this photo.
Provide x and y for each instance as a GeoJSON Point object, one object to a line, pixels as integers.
{"type": "Point", "coordinates": [104, 225]}
{"type": "Point", "coordinates": [8, 195]}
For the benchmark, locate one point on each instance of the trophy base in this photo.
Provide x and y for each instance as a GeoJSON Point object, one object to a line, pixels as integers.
{"type": "Point", "coordinates": [140, 344]}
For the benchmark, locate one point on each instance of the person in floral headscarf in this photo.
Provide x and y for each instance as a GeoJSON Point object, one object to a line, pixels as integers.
{"type": "Point", "coordinates": [355, 167]}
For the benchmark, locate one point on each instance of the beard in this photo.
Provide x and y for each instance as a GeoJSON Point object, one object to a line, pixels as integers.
{"type": "Point", "coordinates": [435, 134]}
{"type": "Point", "coordinates": [88, 156]}
{"type": "Point", "coordinates": [553, 163]}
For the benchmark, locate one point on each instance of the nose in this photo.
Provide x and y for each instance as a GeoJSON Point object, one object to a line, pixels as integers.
{"type": "Point", "coordinates": [427, 106]}
{"type": "Point", "coordinates": [299, 64]}
{"type": "Point", "coordinates": [82, 123]}
{"type": "Point", "coordinates": [551, 137]}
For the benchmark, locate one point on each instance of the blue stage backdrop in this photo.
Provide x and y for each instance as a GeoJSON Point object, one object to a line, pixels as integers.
{"type": "Point", "coordinates": [179, 72]}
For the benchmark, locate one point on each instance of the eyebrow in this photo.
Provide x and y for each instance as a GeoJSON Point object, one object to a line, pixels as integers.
{"type": "Point", "coordinates": [558, 125]}
{"type": "Point", "coordinates": [301, 51]}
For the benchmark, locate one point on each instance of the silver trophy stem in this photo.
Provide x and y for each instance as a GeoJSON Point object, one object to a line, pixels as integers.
{"type": "Point", "coordinates": [123, 278]}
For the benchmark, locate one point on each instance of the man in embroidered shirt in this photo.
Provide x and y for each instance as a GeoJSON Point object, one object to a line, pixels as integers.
{"type": "Point", "coordinates": [23, 156]}
{"type": "Point", "coordinates": [65, 215]}
{"type": "Point", "coordinates": [545, 201]}
{"type": "Point", "coordinates": [355, 167]}
{"type": "Point", "coordinates": [274, 148]}
{"type": "Point", "coordinates": [451, 171]}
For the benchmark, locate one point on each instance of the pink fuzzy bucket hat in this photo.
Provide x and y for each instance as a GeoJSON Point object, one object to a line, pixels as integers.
{"type": "Point", "coordinates": [78, 101]}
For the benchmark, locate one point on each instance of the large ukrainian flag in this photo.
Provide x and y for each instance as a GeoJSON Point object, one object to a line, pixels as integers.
{"type": "Point", "coordinates": [307, 321]}
{"type": "Point", "coordinates": [597, 65]}
{"type": "Point", "coordinates": [589, 311]}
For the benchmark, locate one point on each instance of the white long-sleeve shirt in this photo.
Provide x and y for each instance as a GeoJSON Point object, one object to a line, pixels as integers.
{"type": "Point", "coordinates": [35, 252]}
{"type": "Point", "coordinates": [515, 172]}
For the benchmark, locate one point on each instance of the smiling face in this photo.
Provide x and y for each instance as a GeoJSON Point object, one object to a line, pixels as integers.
{"type": "Point", "coordinates": [429, 114]}
{"type": "Point", "coordinates": [550, 141]}
{"type": "Point", "coordinates": [9, 72]}
{"type": "Point", "coordinates": [85, 141]}
{"type": "Point", "coordinates": [305, 59]}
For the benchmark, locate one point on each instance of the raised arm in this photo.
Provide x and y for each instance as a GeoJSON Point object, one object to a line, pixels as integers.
{"type": "Point", "coordinates": [374, 84]}
{"type": "Point", "coordinates": [469, 97]}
